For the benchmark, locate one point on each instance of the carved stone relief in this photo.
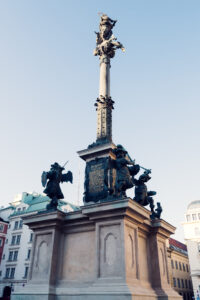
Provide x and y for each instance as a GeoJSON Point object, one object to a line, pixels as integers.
{"type": "Point", "coordinates": [131, 248]}
{"type": "Point", "coordinates": [163, 262]}
{"type": "Point", "coordinates": [143, 262]}
{"type": "Point", "coordinates": [42, 257]}
{"type": "Point", "coordinates": [130, 251]}
{"type": "Point", "coordinates": [110, 247]}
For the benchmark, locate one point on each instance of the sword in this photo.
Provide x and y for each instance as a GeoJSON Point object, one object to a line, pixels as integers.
{"type": "Point", "coordinates": [146, 170]}
{"type": "Point", "coordinates": [65, 163]}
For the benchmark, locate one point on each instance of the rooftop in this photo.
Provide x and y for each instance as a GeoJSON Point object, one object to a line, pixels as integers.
{"type": "Point", "coordinates": [37, 202]}
{"type": "Point", "coordinates": [178, 246]}
{"type": "Point", "coordinates": [2, 220]}
{"type": "Point", "coordinates": [194, 204]}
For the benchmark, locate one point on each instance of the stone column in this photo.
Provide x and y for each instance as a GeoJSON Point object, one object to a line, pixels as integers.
{"type": "Point", "coordinates": [104, 85]}
{"type": "Point", "coordinates": [104, 102]}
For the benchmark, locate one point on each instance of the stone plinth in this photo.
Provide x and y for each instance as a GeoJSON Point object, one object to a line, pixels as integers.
{"type": "Point", "coordinates": [106, 251]}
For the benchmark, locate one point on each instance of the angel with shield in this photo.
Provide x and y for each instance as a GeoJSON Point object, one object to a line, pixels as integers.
{"type": "Point", "coordinates": [51, 180]}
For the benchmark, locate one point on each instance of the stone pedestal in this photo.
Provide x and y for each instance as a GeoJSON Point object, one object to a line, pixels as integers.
{"type": "Point", "coordinates": [106, 251]}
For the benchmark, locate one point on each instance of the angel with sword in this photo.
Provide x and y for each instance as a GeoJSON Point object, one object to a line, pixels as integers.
{"type": "Point", "coordinates": [51, 180]}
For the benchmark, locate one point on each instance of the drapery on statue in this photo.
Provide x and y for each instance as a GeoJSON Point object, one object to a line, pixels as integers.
{"type": "Point", "coordinates": [54, 178]}
{"type": "Point", "coordinates": [106, 42]}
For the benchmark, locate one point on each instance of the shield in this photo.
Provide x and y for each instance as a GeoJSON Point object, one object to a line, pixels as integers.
{"type": "Point", "coordinates": [44, 178]}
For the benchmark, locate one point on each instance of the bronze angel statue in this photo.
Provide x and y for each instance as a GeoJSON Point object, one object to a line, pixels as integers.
{"type": "Point", "coordinates": [51, 180]}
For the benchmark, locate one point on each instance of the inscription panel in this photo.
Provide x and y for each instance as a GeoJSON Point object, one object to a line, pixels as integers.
{"type": "Point", "coordinates": [96, 178]}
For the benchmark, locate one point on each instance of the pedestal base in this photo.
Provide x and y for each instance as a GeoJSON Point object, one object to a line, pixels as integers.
{"type": "Point", "coordinates": [106, 251]}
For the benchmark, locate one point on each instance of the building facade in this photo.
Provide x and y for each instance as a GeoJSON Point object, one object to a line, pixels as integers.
{"type": "Point", "coordinates": [18, 243]}
{"type": "Point", "coordinates": [179, 269]}
{"type": "Point", "coordinates": [192, 237]}
{"type": "Point", "coordinates": [3, 232]}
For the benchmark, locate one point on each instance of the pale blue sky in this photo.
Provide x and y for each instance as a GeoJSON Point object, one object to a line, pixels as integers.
{"type": "Point", "coordinates": [49, 82]}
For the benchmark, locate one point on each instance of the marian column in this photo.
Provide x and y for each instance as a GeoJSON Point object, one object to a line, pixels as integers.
{"type": "Point", "coordinates": [105, 49]}
{"type": "Point", "coordinates": [100, 175]}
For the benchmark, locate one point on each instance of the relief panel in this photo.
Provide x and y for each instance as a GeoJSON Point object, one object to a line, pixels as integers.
{"type": "Point", "coordinates": [42, 257]}
{"type": "Point", "coordinates": [163, 262]}
{"type": "Point", "coordinates": [143, 260]}
{"type": "Point", "coordinates": [131, 248]}
{"type": "Point", "coordinates": [110, 251]}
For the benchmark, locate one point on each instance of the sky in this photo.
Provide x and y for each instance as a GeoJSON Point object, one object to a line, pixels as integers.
{"type": "Point", "coordinates": [49, 80]}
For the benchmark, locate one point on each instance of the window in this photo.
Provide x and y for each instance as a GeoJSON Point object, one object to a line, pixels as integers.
{"type": "Point", "coordinates": [180, 267]}
{"type": "Point", "coordinates": [13, 240]}
{"type": "Point", "coordinates": [0, 273]}
{"type": "Point", "coordinates": [26, 272]}
{"type": "Point", "coordinates": [176, 265]}
{"type": "Point", "coordinates": [7, 275]}
{"type": "Point", "coordinates": [19, 209]}
{"type": "Point", "coordinates": [188, 218]}
{"type": "Point", "coordinates": [194, 217]}
{"type": "Point", "coordinates": [8, 226]}
{"type": "Point", "coordinates": [186, 284]}
{"type": "Point", "coordinates": [18, 239]}
{"type": "Point", "coordinates": [28, 254]}
{"type": "Point", "coordinates": [182, 283]}
{"type": "Point", "coordinates": [1, 242]}
{"type": "Point", "coordinates": [10, 257]}
{"type": "Point", "coordinates": [31, 237]}
{"type": "Point", "coordinates": [187, 268]}
{"type": "Point", "coordinates": [21, 224]}
{"type": "Point", "coordinates": [1, 227]}
{"type": "Point", "coordinates": [179, 284]}
{"type": "Point", "coordinates": [6, 241]}
{"type": "Point", "coordinates": [183, 267]}
{"type": "Point", "coordinates": [174, 281]}
{"type": "Point", "coordinates": [24, 208]}
{"type": "Point", "coordinates": [16, 225]}
{"type": "Point", "coordinates": [190, 284]}
{"type": "Point", "coordinates": [3, 256]}
{"type": "Point", "coordinates": [15, 255]}
{"type": "Point", "coordinates": [172, 263]}
{"type": "Point", "coordinates": [12, 273]}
